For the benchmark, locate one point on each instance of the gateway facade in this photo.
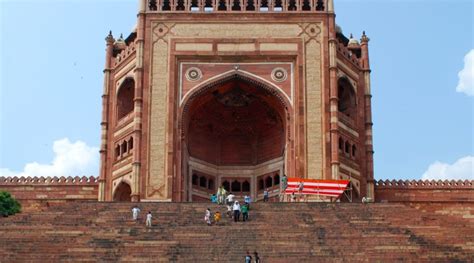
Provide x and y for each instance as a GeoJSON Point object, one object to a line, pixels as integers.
{"type": "Point", "coordinates": [234, 93]}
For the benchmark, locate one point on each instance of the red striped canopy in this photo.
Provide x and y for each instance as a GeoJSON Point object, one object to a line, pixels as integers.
{"type": "Point", "coordinates": [331, 188]}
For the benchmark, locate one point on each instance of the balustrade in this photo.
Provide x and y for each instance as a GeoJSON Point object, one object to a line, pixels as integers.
{"type": "Point", "coordinates": [208, 6]}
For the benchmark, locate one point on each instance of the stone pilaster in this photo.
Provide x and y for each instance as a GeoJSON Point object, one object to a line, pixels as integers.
{"type": "Point", "coordinates": [105, 115]}
{"type": "Point", "coordinates": [368, 116]}
{"type": "Point", "coordinates": [333, 100]}
{"type": "Point", "coordinates": [138, 105]}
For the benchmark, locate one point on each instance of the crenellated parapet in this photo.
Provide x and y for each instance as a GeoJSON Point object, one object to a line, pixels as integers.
{"type": "Point", "coordinates": [76, 180]}
{"type": "Point", "coordinates": [424, 191]}
{"type": "Point", "coordinates": [455, 184]}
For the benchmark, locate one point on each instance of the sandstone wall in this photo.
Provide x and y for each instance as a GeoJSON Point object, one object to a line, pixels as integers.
{"type": "Point", "coordinates": [38, 192]}
{"type": "Point", "coordinates": [421, 191]}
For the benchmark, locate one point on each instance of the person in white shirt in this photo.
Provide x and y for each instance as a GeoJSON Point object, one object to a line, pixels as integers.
{"type": "Point", "coordinates": [230, 199]}
{"type": "Point", "coordinates": [207, 217]}
{"type": "Point", "coordinates": [236, 209]}
{"type": "Point", "coordinates": [135, 212]}
{"type": "Point", "coordinates": [148, 219]}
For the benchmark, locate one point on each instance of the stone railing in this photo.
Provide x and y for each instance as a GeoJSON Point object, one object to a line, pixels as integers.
{"type": "Point", "coordinates": [209, 6]}
{"type": "Point", "coordinates": [466, 184]}
{"type": "Point", "coordinates": [124, 54]}
{"type": "Point", "coordinates": [344, 51]}
{"type": "Point", "coordinates": [91, 180]}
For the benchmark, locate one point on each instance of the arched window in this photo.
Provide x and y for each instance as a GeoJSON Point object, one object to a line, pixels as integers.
{"type": "Point", "coordinates": [261, 185]}
{"type": "Point", "coordinates": [166, 5]}
{"type": "Point", "coordinates": [124, 147]}
{"type": "Point", "coordinates": [278, 6]}
{"type": "Point", "coordinates": [195, 179]}
{"type": "Point", "coordinates": [236, 7]}
{"type": "Point", "coordinates": [122, 193]}
{"type": "Point", "coordinates": [130, 144]}
{"type": "Point", "coordinates": [180, 5]}
{"type": "Point", "coordinates": [320, 5]}
{"type": "Point", "coordinates": [354, 151]}
{"type": "Point", "coordinates": [348, 148]}
{"type": "Point", "coordinates": [306, 5]}
{"type": "Point", "coordinates": [347, 98]}
{"type": "Point", "coordinates": [236, 186]}
{"type": "Point", "coordinates": [210, 185]}
{"type": "Point", "coordinates": [195, 4]}
{"type": "Point", "coordinates": [268, 181]}
{"type": "Point", "coordinates": [341, 144]}
{"type": "Point", "coordinates": [292, 5]}
{"type": "Point", "coordinates": [250, 5]}
{"type": "Point", "coordinates": [226, 185]}
{"type": "Point", "coordinates": [245, 186]}
{"type": "Point", "coordinates": [125, 96]}
{"type": "Point", "coordinates": [222, 5]}
{"type": "Point", "coordinates": [276, 179]}
{"type": "Point", "coordinates": [203, 182]}
{"type": "Point", "coordinates": [117, 151]}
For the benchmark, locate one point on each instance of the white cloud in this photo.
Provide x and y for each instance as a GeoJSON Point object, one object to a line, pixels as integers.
{"type": "Point", "coordinates": [70, 159]}
{"type": "Point", "coordinates": [466, 75]}
{"type": "Point", "coordinates": [462, 169]}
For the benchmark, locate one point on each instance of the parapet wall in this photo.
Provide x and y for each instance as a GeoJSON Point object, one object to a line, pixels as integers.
{"type": "Point", "coordinates": [39, 191]}
{"type": "Point", "coordinates": [422, 191]}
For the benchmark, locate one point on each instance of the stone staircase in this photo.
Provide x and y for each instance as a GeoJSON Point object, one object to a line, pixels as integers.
{"type": "Point", "coordinates": [280, 232]}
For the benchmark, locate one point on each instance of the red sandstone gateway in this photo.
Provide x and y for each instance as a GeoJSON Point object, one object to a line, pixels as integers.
{"type": "Point", "coordinates": [234, 94]}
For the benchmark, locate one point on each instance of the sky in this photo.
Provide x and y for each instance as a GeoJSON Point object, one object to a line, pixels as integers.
{"type": "Point", "coordinates": [421, 53]}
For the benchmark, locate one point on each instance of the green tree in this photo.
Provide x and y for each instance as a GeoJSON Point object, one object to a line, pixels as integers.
{"type": "Point", "coordinates": [8, 204]}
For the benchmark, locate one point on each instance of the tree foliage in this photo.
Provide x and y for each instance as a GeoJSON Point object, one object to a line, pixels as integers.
{"type": "Point", "coordinates": [8, 204]}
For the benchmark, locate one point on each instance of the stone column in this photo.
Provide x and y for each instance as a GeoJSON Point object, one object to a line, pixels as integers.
{"type": "Point", "coordinates": [364, 41]}
{"type": "Point", "coordinates": [105, 115]}
{"type": "Point", "coordinates": [138, 104]}
{"type": "Point", "coordinates": [333, 99]}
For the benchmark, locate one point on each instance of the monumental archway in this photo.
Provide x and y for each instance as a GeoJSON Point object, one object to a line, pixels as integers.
{"type": "Point", "coordinates": [234, 135]}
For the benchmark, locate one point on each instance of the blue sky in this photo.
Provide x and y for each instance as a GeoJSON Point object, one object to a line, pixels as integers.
{"type": "Point", "coordinates": [52, 57]}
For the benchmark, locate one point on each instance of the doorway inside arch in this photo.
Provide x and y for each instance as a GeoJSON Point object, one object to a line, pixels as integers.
{"type": "Point", "coordinates": [123, 192]}
{"type": "Point", "coordinates": [234, 136]}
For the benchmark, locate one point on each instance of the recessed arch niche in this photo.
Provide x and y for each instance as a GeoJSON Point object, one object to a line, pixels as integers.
{"type": "Point", "coordinates": [237, 123]}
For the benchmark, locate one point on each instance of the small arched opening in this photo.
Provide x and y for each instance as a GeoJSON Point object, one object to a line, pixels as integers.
{"type": "Point", "coordinates": [123, 193]}
{"type": "Point", "coordinates": [125, 96]}
{"type": "Point", "coordinates": [246, 186]}
{"type": "Point", "coordinates": [347, 98]}
{"type": "Point", "coordinates": [226, 185]}
{"type": "Point", "coordinates": [276, 179]}
{"type": "Point", "coordinates": [268, 182]}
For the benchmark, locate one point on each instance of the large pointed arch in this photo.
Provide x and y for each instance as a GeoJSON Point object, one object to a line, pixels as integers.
{"type": "Point", "coordinates": [267, 96]}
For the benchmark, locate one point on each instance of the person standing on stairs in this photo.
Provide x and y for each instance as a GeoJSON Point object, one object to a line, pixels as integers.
{"type": "Point", "coordinates": [236, 209]}
{"type": "Point", "coordinates": [135, 212]}
{"type": "Point", "coordinates": [247, 200]}
{"type": "Point", "coordinates": [256, 258]}
{"type": "Point", "coordinates": [219, 195]}
{"type": "Point", "coordinates": [224, 195]}
{"type": "Point", "coordinates": [148, 219]}
{"type": "Point", "coordinates": [245, 212]}
{"type": "Point", "coordinates": [248, 258]}
{"type": "Point", "coordinates": [207, 217]}
{"type": "Point", "coordinates": [217, 217]}
{"type": "Point", "coordinates": [265, 195]}
{"type": "Point", "coordinates": [284, 185]}
{"type": "Point", "coordinates": [300, 191]}
{"type": "Point", "coordinates": [230, 199]}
